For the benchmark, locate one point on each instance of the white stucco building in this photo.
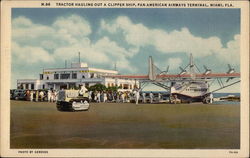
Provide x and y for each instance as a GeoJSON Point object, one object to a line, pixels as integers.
{"type": "Point", "coordinates": [75, 76]}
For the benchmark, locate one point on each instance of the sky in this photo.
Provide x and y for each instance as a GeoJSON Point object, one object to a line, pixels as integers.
{"type": "Point", "coordinates": [46, 37]}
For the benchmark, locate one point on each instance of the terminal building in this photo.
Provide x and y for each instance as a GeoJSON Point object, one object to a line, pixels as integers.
{"type": "Point", "coordinates": [75, 76]}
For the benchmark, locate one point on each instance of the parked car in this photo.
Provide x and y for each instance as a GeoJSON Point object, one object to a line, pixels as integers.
{"type": "Point", "coordinates": [11, 93]}
{"type": "Point", "coordinates": [18, 94]}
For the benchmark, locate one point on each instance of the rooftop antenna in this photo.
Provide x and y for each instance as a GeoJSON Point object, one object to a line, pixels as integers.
{"type": "Point", "coordinates": [79, 54]}
{"type": "Point", "coordinates": [115, 66]}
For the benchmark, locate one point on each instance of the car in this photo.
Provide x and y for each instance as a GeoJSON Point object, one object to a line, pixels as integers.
{"type": "Point", "coordinates": [71, 100]}
{"type": "Point", "coordinates": [18, 94]}
{"type": "Point", "coordinates": [12, 93]}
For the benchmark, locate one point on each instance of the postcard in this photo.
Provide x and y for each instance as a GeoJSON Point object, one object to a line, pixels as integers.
{"type": "Point", "coordinates": [125, 78]}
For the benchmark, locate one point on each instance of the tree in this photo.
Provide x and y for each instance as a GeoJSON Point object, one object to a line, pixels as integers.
{"type": "Point", "coordinates": [113, 89]}
{"type": "Point", "coordinates": [97, 87]}
{"type": "Point", "coordinates": [101, 87]}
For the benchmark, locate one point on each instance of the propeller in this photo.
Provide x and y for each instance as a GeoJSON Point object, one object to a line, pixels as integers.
{"type": "Point", "coordinates": [230, 69]}
{"type": "Point", "coordinates": [207, 71]}
{"type": "Point", "coordinates": [183, 71]}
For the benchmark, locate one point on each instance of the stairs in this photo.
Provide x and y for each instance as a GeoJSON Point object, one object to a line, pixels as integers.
{"type": "Point", "coordinates": [161, 85]}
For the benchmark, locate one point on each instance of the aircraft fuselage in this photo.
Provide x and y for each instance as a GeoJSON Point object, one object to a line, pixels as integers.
{"type": "Point", "coordinates": [190, 91]}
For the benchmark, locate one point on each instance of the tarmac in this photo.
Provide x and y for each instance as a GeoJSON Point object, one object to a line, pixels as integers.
{"type": "Point", "coordinates": [125, 126]}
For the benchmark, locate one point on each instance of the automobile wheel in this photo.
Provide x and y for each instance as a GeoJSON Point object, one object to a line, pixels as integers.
{"type": "Point", "coordinates": [72, 106]}
{"type": "Point", "coordinates": [86, 102]}
{"type": "Point", "coordinates": [205, 101]}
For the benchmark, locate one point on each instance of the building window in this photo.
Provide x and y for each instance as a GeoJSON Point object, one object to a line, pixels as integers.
{"type": "Point", "coordinates": [56, 76]}
{"type": "Point", "coordinates": [41, 76]}
{"type": "Point", "coordinates": [74, 75]}
{"type": "Point", "coordinates": [91, 75]}
{"type": "Point", "coordinates": [47, 77]}
{"type": "Point", "coordinates": [135, 86]}
{"type": "Point", "coordinates": [83, 76]}
{"type": "Point", "coordinates": [65, 76]}
{"type": "Point", "coordinates": [20, 86]}
{"type": "Point", "coordinates": [32, 86]}
{"type": "Point", "coordinates": [125, 86]}
{"type": "Point", "coordinates": [43, 86]}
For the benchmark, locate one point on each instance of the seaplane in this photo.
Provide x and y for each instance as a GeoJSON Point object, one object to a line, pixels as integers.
{"type": "Point", "coordinates": [190, 85]}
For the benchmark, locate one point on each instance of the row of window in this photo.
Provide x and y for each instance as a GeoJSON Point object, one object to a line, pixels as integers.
{"type": "Point", "coordinates": [67, 76]}
{"type": "Point", "coordinates": [123, 86]}
{"type": "Point", "coordinates": [197, 90]}
{"type": "Point", "coordinates": [26, 86]}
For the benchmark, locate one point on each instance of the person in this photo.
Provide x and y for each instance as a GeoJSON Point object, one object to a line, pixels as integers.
{"type": "Point", "coordinates": [82, 90]}
{"type": "Point", "coordinates": [93, 97]}
{"type": "Point", "coordinates": [101, 97]}
{"type": "Point", "coordinates": [211, 98]}
{"type": "Point", "coordinates": [118, 97]}
{"type": "Point", "coordinates": [151, 97]}
{"type": "Point", "coordinates": [137, 96]}
{"type": "Point", "coordinates": [159, 97]}
{"type": "Point", "coordinates": [52, 96]}
{"type": "Point", "coordinates": [55, 95]}
{"type": "Point", "coordinates": [98, 97]}
{"type": "Point", "coordinates": [37, 95]}
{"type": "Point", "coordinates": [115, 96]}
{"type": "Point", "coordinates": [90, 95]}
{"type": "Point", "coordinates": [27, 95]}
{"type": "Point", "coordinates": [109, 95]}
{"type": "Point", "coordinates": [41, 95]}
{"type": "Point", "coordinates": [175, 99]}
{"type": "Point", "coordinates": [122, 97]}
{"type": "Point", "coordinates": [105, 97]}
{"type": "Point", "coordinates": [31, 95]}
{"type": "Point", "coordinates": [144, 97]}
{"type": "Point", "coordinates": [49, 95]}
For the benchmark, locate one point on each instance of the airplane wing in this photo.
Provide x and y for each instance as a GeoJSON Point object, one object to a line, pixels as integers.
{"type": "Point", "coordinates": [184, 76]}
{"type": "Point", "coordinates": [202, 76]}
{"type": "Point", "coordinates": [139, 77]}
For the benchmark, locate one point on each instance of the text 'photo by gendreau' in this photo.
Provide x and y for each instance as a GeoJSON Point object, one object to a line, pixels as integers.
{"type": "Point", "coordinates": [125, 78]}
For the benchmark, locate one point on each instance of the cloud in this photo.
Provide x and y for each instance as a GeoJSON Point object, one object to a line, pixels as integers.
{"type": "Point", "coordinates": [63, 39]}
{"type": "Point", "coordinates": [68, 35]}
{"type": "Point", "coordinates": [231, 54]}
{"type": "Point", "coordinates": [174, 63]}
{"type": "Point", "coordinates": [73, 25]}
{"type": "Point", "coordinates": [176, 41]}
{"type": "Point", "coordinates": [30, 55]}
{"type": "Point", "coordinates": [115, 53]}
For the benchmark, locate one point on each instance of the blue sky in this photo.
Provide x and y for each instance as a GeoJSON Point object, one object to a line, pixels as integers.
{"type": "Point", "coordinates": [46, 37]}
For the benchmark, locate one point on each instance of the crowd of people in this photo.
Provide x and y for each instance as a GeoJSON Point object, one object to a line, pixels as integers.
{"type": "Point", "coordinates": [36, 95]}
{"type": "Point", "coordinates": [96, 96]}
{"type": "Point", "coordinates": [121, 97]}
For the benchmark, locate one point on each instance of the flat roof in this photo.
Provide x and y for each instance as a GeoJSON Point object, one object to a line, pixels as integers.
{"type": "Point", "coordinates": [79, 69]}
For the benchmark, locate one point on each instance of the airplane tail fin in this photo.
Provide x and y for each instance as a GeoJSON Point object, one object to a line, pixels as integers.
{"type": "Point", "coordinates": [151, 69]}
